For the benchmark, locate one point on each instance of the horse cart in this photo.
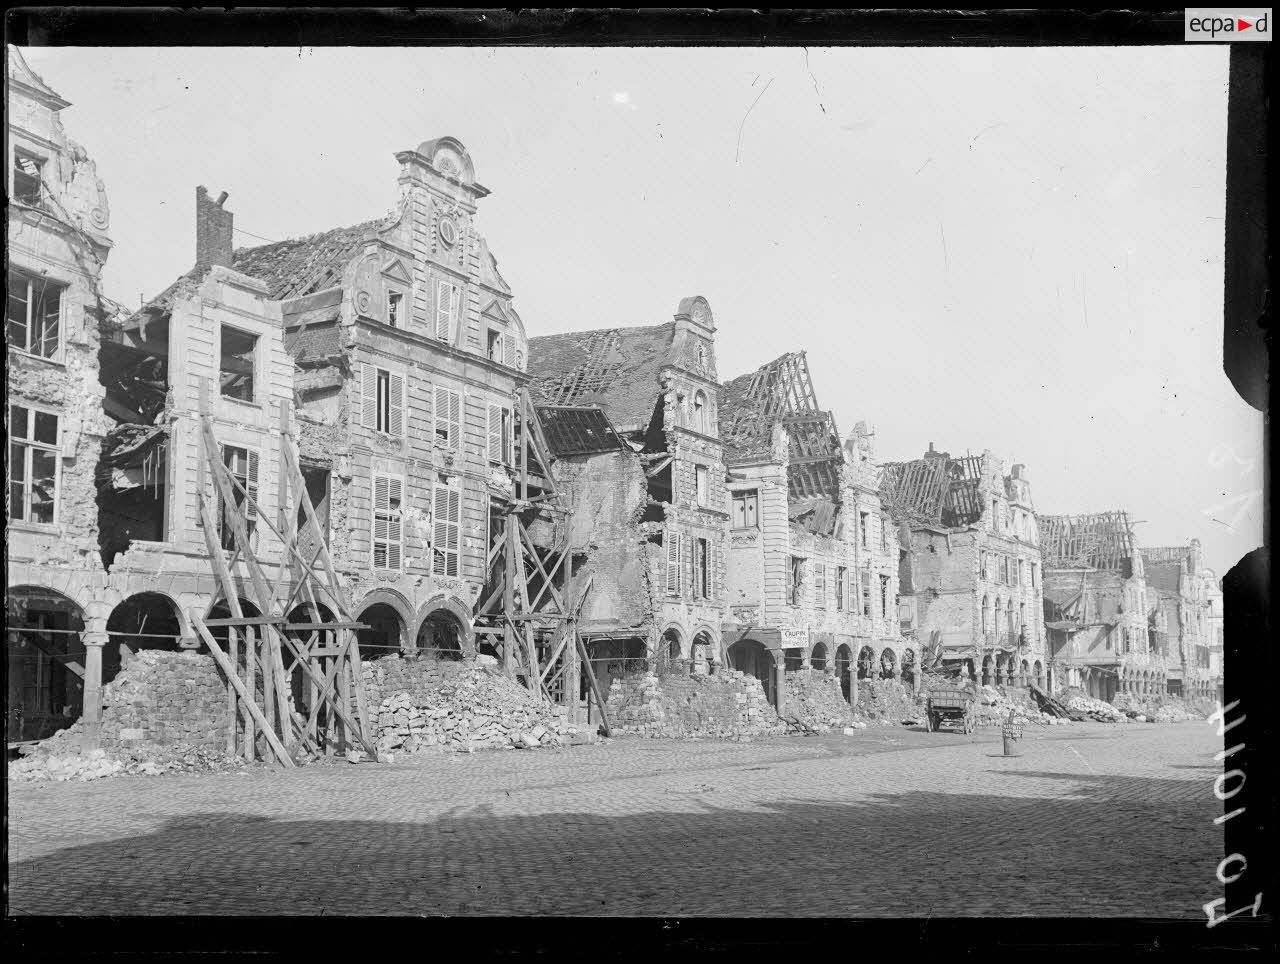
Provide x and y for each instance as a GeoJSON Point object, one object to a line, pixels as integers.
{"type": "Point", "coordinates": [952, 704]}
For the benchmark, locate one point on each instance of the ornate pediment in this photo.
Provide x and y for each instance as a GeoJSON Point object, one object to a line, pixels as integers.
{"type": "Point", "coordinates": [495, 311]}
{"type": "Point", "coordinates": [396, 270]}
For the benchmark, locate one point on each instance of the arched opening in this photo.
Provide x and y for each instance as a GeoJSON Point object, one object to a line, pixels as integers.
{"type": "Point", "coordinates": [818, 658]}
{"type": "Point", "coordinates": [148, 620]}
{"type": "Point", "coordinates": [701, 653]}
{"type": "Point", "coordinates": [888, 664]}
{"type": "Point", "coordinates": [221, 610]}
{"type": "Point", "coordinates": [999, 669]}
{"type": "Point", "coordinates": [440, 635]}
{"type": "Point", "coordinates": [613, 659]}
{"type": "Point", "coordinates": [1039, 671]}
{"type": "Point", "coordinates": [386, 630]}
{"type": "Point", "coordinates": [793, 659]}
{"type": "Point", "coordinates": [668, 659]}
{"type": "Point", "coordinates": [844, 671]}
{"type": "Point", "coordinates": [1025, 675]}
{"type": "Point", "coordinates": [753, 657]}
{"type": "Point", "coordinates": [866, 662]}
{"type": "Point", "coordinates": [46, 661]}
{"type": "Point", "coordinates": [909, 668]}
{"type": "Point", "coordinates": [987, 668]}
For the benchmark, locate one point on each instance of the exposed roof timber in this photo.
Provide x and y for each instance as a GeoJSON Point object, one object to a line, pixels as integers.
{"type": "Point", "coordinates": [1099, 541]}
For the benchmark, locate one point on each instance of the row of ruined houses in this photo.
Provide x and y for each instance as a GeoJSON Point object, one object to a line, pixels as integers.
{"type": "Point", "coordinates": [700, 523]}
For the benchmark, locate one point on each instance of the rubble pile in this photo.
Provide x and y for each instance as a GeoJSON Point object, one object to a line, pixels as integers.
{"type": "Point", "coordinates": [995, 707]}
{"type": "Point", "coordinates": [1160, 708]}
{"type": "Point", "coordinates": [729, 704]}
{"type": "Point", "coordinates": [1097, 709]}
{"type": "Point", "coordinates": [460, 706]}
{"type": "Point", "coordinates": [815, 699]}
{"type": "Point", "coordinates": [887, 701]}
{"type": "Point", "coordinates": [65, 761]}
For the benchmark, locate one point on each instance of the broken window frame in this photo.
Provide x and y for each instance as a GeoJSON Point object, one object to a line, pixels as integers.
{"type": "Point", "coordinates": [446, 530]}
{"type": "Point", "coordinates": [249, 480]}
{"type": "Point", "coordinates": [884, 596]}
{"type": "Point", "coordinates": [251, 382]}
{"type": "Point", "coordinates": [28, 185]}
{"type": "Point", "coordinates": [842, 586]}
{"type": "Point", "coordinates": [863, 528]}
{"type": "Point", "coordinates": [451, 424]}
{"type": "Point", "coordinates": [866, 594]}
{"type": "Point", "coordinates": [387, 511]}
{"type": "Point", "coordinates": [36, 318]}
{"type": "Point", "coordinates": [746, 509]}
{"type": "Point", "coordinates": [27, 443]}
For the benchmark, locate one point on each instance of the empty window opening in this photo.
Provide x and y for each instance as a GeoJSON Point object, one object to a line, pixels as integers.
{"type": "Point", "coordinates": [884, 597]}
{"type": "Point", "coordinates": [316, 481]}
{"type": "Point", "coordinates": [394, 300]}
{"type": "Point", "coordinates": [866, 594]}
{"type": "Point", "coordinates": [237, 364]}
{"type": "Point", "coordinates": [28, 184]}
{"type": "Point", "coordinates": [745, 510]}
{"type": "Point", "coordinates": [33, 465]}
{"type": "Point", "coordinates": [795, 581]}
{"type": "Point", "coordinates": [33, 315]}
{"type": "Point", "coordinates": [842, 587]}
{"type": "Point", "coordinates": [496, 347]}
{"type": "Point", "coordinates": [701, 483]}
{"type": "Point", "coordinates": [440, 636]}
{"type": "Point", "coordinates": [862, 528]}
{"type": "Point", "coordinates": [132, 489]}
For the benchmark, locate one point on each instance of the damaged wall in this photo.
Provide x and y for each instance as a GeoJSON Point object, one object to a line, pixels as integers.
{"type": "Point", "coordinates": [727, 704]}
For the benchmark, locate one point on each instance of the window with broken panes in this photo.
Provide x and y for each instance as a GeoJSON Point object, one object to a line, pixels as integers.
{"type": "Point", "coordinates": [842, 586]}
{"type": "Point", "coordinates": [820, 584]}
{"type": "Point", "coordinates": [745, 510]}
{"type": "Point", "coordinates": [237, 363]}
{"type": "Point", "coordinates": [448, 418]}
{"type": "Point", "coordinates": [866, 594]}
{"type": "Point", "coordinates": [33, 315]}
{"type": "Point", "coordinates": [33, 465]}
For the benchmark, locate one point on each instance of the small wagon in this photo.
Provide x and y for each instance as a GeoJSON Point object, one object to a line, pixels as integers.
{"type": "Point", "coordinates": [951, 704]}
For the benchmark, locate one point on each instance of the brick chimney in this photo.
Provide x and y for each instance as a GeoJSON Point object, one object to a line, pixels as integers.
{"type": "Point", "coordinates": [213, 230]}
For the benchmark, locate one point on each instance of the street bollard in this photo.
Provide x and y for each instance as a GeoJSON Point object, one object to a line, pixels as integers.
{"type": "Point", "coordinates": [1012, 733]}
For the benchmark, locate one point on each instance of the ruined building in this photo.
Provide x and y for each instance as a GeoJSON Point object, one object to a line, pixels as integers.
{"type": "Point", "coordinates": [1098, 607]}
{"type": "Point", "coordinates": [630, 416]}
{"type": "Point", "coordinates": [811, 574]}
{"type": "Point", "coordinates": [970, 565]}
{"type": "Point", "coordinates": [407, 357]}
{"type": "Point", "coordinates": [1181, 617]}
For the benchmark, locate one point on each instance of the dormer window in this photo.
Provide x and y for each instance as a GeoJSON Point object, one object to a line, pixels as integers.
{"type": "Point", "coordinates": [496, 346]}
{"type": "Point", "coordinates": [394, 301]}
{"type": "Point", "coordinates": [27, 182]}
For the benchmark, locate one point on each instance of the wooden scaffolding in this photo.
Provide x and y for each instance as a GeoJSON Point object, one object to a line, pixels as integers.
{"type": "Point", "coordinates": [324, 658]}
{"type": "Point", "coordinates": [532, 598]}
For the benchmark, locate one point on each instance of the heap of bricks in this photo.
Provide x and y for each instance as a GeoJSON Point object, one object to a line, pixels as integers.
{"type": "Point", "coordinates": [730, 704]}
{"type": "Point", "coordinates": [424, 704]}
{"type": "Point", "coordinates": [816, 699]}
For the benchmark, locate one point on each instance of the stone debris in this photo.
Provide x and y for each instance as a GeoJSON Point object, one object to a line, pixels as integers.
{"type": "Point", "coordinates": [814, 698]}
{"type": "Point", "coordinates": [64, 761]}
{"type": "Point", "coordinates": [463, 707]}
{"type": "Point", "coordinates": [887, 701]}
{"type": "Point", "coordinates": [1097, 709]}
{"type": "Point", "coordinates": [729, 704]}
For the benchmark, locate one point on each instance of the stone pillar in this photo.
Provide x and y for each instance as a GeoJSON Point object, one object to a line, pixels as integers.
{"type": "Point", "coordinates": [780, 685]}
{"type": "Point", "coordinates": [92, 710]}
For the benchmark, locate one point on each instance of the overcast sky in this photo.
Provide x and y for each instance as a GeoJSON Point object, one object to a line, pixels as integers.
{"type": "Point", "coordinates": [987, 248]}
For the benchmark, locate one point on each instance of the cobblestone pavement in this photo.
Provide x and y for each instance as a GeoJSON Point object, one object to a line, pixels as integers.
{"type": "Point", "coordinates": [1090, 820]}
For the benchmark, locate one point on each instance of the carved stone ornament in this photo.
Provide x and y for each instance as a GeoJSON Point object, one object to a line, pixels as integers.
{"type": "Point", "coordinates": [364, 301]}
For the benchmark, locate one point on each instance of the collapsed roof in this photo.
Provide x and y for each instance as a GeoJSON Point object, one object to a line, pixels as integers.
{"type": "Point", "coordinates": [937, 490]}
{"type": "Point", "coordinates": [781, 393]}
{"type": "Point", "coordinates": [301, 266]}
{"type": "Point", "coordinates": [577, 430]}
{"type": "Point", "coordinates": [1103, 540]}
{"type": "Point", "coordinates": [616, 369]}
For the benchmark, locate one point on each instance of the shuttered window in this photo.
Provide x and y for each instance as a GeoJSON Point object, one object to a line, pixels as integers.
{"type": "Point", "coordinates": [674, 543]}
{"type": "Point", "coordinates": [820, 584]}
{"type": "Point", "coordinates": [446, 518]}
{"type": "Point", "coordinates": [447, 298]}
{"type": "Point", "coordinates": [499, 434]}
{"type": "Point", "coordinates": [745, 506]}
{"type": "Point", "coordinates": [388, 492]}
{"type": "Point", "coordinates": [702, 568]}
{"type": "Point", "coordinates": [448, 418]}
{"type": "Point", "coordinates": [382, 400]}
{"type": "Point", "coordinates": [842, 586]}
{"type": "Point", "coordinates": [243, 465]}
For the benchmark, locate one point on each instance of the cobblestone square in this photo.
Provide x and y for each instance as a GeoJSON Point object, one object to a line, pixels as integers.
{"type": "Point", "coordinates": [1088, 820]}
